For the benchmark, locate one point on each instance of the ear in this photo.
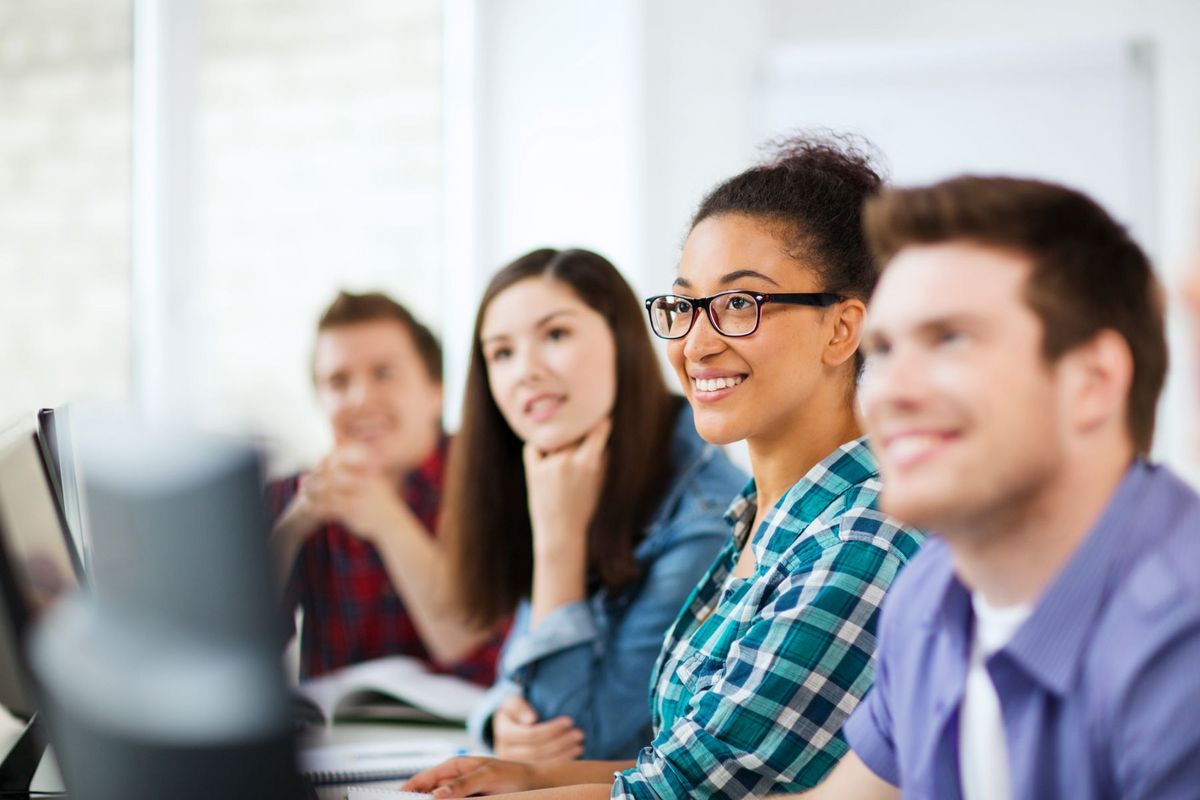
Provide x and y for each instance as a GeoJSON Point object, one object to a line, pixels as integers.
{"type": "Point", "coordinates": [845, 332]}
{"type": "Point", "coordinates": [1098, 375]}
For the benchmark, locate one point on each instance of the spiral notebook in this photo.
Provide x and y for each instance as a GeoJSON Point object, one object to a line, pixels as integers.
{"type": "Point", "coordinates": [372, 761]}
{"type": "Point", "coordinates": [362, 793]}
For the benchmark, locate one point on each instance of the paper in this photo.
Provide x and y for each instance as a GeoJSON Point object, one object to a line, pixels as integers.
{"type": "Point", "coordinates": [348, 763]}
{"type": "Point", "coordinates": [362, 793]}
{"type": "Point", "coordinates": [399, 679]}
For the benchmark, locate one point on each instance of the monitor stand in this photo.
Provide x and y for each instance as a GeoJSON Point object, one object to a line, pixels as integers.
{"type": "Point", "coordinates": [18, 767]}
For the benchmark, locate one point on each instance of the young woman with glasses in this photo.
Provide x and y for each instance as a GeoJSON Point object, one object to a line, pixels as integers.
{"type": "Point", "coordinates": [772, 650]}
{"type": "Point", "coordinates": [579, 497]}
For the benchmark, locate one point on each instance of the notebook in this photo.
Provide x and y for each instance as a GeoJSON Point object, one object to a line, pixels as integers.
{"type": "Point", "coordinates": [367, 793]}
{"type": "Point", "coordinates": [372, 761]}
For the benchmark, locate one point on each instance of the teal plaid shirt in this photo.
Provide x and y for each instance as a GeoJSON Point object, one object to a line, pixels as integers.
{"type": "Point", "coordinates": [758, 674]}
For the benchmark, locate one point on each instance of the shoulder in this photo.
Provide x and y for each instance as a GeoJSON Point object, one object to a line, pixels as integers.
{"type": "Point", "coordinates": [1158, 597]}
{"type": "Point", "coordinates": [703, 483]}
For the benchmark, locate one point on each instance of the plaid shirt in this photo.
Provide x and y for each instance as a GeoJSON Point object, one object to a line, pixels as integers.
{"type": "Point", "coordinates": [351, 610]}
{"type": "Point", "coordinates": [758, 674]}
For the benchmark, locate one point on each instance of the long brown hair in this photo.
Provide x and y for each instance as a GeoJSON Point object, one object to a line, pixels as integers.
{"type": "Point", "coordinates": [485, 512]}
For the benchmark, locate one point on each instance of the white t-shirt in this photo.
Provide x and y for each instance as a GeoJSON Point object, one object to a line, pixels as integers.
{"type": "Point", "coordinates": [982, 754]}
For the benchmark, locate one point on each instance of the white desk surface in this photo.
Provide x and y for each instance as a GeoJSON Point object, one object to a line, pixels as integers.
{"type": "Point", "coordinates": [47, 778]}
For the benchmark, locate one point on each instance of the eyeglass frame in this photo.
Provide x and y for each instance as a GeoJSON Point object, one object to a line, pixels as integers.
{"type": "Point", "coordinates": [811, 299]}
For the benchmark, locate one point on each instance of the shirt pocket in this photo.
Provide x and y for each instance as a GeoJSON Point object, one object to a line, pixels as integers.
{"type": "Point", "coordinates": [698, 671]}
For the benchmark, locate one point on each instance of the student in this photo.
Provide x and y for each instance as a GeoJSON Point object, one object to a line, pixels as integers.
{"type": "Point", "coordinates": [581, 498]}
{"type": "Point", "coordinates": [343, 531]}
{"type": "Point", "coordinates": [773, 647]}
{"type": "Point", "coordinates": [1046, 643]}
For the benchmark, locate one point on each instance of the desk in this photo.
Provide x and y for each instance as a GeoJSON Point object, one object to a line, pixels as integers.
{"type": "Point", "coordinates": [347, 733]}
{"type": "Point", "coordinates": [47, 778]}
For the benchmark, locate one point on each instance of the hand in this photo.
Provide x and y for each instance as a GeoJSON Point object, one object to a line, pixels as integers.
{"type": "Point", "coordinates": [468, 775]}
{"type": "Point", "coordinates": [520, 737]}
{"type": "Point", "coordinates": [348, 487]}
{"type": "Point", "coordinates": [564, 487]}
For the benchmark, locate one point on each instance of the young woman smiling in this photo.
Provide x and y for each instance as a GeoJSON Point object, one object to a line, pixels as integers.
{"type": "Point", "coordinates": [579, 497]}
{"type": "Point", "coordinates": [772, 650]}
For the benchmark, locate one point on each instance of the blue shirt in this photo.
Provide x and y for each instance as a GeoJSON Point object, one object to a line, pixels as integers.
{"type": "Point", "coordinates": [1099, 688]}
{"type": "Point", "coordinates": [591, 660]}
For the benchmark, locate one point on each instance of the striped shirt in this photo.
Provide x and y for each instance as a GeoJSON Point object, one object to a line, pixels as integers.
{"type": "Point", "coordinates": [758, 674]}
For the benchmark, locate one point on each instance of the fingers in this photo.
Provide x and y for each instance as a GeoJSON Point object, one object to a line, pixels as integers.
{"type": "Point", "coordinates": [429, 779]}
{"type": "Point", "coordinates": [517, 709]}
{"type": "Point", "coordinates": [566, 746]}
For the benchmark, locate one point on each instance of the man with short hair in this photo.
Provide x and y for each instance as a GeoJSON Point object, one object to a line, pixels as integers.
{"type": "Point", "coordinates": [352, 537]}
{"type": "Point", "coordinates": [1046, 643]}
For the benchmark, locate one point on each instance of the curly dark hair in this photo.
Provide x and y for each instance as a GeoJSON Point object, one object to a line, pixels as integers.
{"type": "Point", "coordinates": [813, 185]}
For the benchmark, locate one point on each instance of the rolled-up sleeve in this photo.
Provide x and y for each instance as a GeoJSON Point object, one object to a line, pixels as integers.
{"type": "Point", "coordinates": [591, 661]}
{"type": "Point", "coordinates": [771, 717]}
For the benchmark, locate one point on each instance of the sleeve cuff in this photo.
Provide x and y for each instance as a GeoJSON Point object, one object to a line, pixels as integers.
{"type": "Point", "coordinates": [479, 722]}
{"type": "Point", "coordinates": [565, 627]}
{"type": "Point", "coordinates": [871, 747]}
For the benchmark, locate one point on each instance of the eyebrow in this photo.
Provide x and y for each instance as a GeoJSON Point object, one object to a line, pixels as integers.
{"type": "Point", "coordinates": [730, 277]}
{"type": "Point", "coordinates": [962, 320]}
{"type": "Point", "coordinates": [547, 318]}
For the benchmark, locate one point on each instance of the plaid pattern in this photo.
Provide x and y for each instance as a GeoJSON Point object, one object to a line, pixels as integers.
{"type": "Point", "coordinates": [351, 611]}
{"type": "Point", "coordinates": [758, 674]}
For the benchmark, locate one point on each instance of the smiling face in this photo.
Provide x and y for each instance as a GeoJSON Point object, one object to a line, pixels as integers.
{"type": "Point", "coordinates": [551, 362]}
{"type": "Point", "coordinates": [760, 385]}
{"type": "Point", "coordinates": [968, 420]}
{"type": "Point", "coordinates": [375, 390]}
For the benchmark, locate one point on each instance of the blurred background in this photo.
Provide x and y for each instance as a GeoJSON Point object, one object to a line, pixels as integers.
{"type": "Point", "coordinates": [184, 184]}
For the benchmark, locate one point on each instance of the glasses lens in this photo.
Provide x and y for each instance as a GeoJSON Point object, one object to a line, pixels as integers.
{"type": "Point", "coordinates": [671, 316]}
{"type": "Point", "coordinates": [736, 313]}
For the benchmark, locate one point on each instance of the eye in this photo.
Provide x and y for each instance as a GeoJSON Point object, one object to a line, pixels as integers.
{"type": "Point", "coordinates": [557, 334]}
{"type": "Point", "coordinates": [338, 381]}
{"type": "Point", "coordinates": [876, 348]}
{"type": "Point", "coordinates": [949, 337]}
{"type": "Point", "coordinates": [740, 303]}
{"type": "Point", "coordinates": [384, 372]}
{"type": "Point", "coordinates": [681, 307]}
{"type": "Point", "coordinates": [497, 354]}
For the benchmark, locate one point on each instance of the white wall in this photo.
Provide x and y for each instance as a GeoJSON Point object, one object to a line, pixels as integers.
{"type": "Point", "coordinates": [677, 111]}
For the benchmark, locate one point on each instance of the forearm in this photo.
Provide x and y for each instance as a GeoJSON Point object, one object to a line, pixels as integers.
{"type": "Point", "coordinates": [591, 791]}
{"type": "Point", "coordinates": [572, 774]}
{"type": "Point", "coordinates": [285, 542]}
{"type": "Point", "coordinates": [419, 571]}
{"type": "Point", "coordinates": [558, 576]}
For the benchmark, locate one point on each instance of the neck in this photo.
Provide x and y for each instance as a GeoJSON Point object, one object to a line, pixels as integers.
{"type": "Point", "coordinates": [1012, 554]}
{"type": "Point", "coordinates": [779, 461]}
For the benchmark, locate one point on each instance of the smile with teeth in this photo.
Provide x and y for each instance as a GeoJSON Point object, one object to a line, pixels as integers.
{"type": "Point", "coordinates": [910, 448]}
{"type": "Point", "coordinates": [541, 408]}
{"type": "Point", "coordinates": [716, 384]}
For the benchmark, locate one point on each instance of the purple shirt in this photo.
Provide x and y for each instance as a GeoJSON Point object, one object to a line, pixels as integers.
{"type": "Point", "coordinates": [1099, 688]}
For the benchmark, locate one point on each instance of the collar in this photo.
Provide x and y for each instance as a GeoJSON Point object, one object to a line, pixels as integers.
{"type": "Point", "coordinates": [1053, 641]}
{"type": "Point", "coordinates": [846, 467]}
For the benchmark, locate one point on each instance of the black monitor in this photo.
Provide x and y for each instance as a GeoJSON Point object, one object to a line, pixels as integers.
{"type": "Point", "coordinates": [54, 443]}
{"type": "Point", "coordinates": [37, 565]}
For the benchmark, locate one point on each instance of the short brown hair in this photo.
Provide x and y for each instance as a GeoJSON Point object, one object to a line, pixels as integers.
{"type": "Point", "coordinates": [485, 511]}
{"type": "Point", "coordinates": [352, 309]}
{"type": "Point", "coordinates": [1087, 275]}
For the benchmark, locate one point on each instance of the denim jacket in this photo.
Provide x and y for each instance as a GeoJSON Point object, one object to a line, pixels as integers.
{"type": "Point", "coordinates": [591, 660]}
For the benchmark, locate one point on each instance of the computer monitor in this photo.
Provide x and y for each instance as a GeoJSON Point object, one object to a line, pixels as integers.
{"type": "Point", "coordinates": [58, 454]}
{"type": "Point", "coordinates": [37, 565]}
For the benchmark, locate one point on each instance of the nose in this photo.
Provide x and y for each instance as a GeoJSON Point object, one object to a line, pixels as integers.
{"type": "Point", "coordinates": [357, 393]}
{"type": "Point", "coordinates": [702, 340]}
{"type": "Point", "coordinates": [530, 368]}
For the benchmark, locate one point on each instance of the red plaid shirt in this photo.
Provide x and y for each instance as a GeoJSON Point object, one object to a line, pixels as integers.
{"type": "Point", "coordinates": [351, 610]}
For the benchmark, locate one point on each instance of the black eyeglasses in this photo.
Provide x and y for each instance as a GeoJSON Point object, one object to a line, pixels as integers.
{"type": "Point", "coordinates": [733, 313]}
